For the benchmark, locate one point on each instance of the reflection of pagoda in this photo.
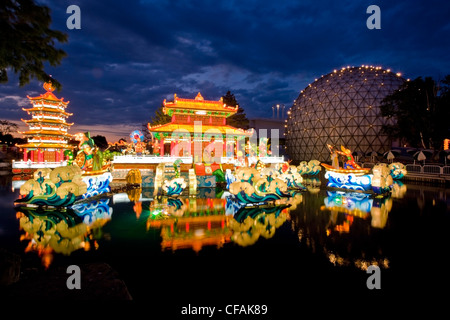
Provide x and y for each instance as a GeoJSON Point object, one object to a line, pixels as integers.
{"type": "Point", "coordinates": [191, 223]}
{"type": "Point", "coordinates": [48, 130]}
{"type": "Point", "coordinates": [198, 121]}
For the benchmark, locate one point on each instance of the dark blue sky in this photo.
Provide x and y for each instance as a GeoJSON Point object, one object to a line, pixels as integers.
{"type": "Point", "coordinates": [131, 55]}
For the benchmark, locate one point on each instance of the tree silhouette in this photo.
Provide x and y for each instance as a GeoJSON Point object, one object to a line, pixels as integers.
{"type": "Point", "coordinates": [27, 42]}
{"type": "Point", "coordinates": [7, 127]}
{"type": "Point", "coordinates": [160, 117]}
{"type": "Point", "coordinates": [100, 142]}
{"type": "Point", "coordinates": [420, 110]}
{"type": "Point", "coordinates": [239, 119]}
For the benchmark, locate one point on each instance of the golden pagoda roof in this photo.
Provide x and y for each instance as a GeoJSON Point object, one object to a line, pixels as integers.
{"type": "Point", "coordinates": [49, 94]}
{"type": "Point", "coordinates": [199, 103]}
{"type": "Point", "coordinates": [38, 108]}
{"type": "Point", "coordinates": [189, 239]}
{"type": "Point", "coordinates": [195, 243]}
{"type": "Point", "coordinates": [34, 120]}
{"type": "Point", "coordinates": [192, 220]}
{"type": "Point", "coordinates": [46, 132]}
{"type": "Point", "coordinates": [45, 145]}
{"type": "Point", "coordinates": [224, 129]}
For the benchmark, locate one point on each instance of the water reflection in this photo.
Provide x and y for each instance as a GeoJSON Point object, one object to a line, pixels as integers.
{"type": "Point", "coordinates": [134, 195]}
{"type": "Point", "coordinates": [356, 204]}
{"type": "Point", "coordinates": [344, 227]}
{"type": "Point", "coordinates": [249, 225]}
{"type": "Point", "coordinates": [63, 231]}
{"type": "Point", "coordinates": [312, 184]}
{"type": "Point", "coordinates": [190, 222]}
{"type": "Point", "coordinates": [198, 222]}
{"type": "Point", "coordinates": [398, 189]}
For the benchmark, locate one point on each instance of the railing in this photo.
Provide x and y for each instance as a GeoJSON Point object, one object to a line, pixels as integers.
{"type": "Point", "coordinates": [428, 169]}
{"type": "Point", "coordinates": [149, 159]}
{"type": "Point", "coordinates": [36, 165]}
{"type": "Point", "coordinates": [272, 159]}
{"type": "Point", "coordinates": [166, 158]}
{"type": "Point", "coordinates": [414, 168]}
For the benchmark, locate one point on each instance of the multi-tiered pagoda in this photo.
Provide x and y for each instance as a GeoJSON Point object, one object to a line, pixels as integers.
{"type": "Point", "coordinates": [197, 121]}
{"type": "Point", "coordinates": [47, 132]}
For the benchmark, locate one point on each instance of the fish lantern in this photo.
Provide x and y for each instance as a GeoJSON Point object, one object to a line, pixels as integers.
{"type": "Point", "coordinates": [134, 177]}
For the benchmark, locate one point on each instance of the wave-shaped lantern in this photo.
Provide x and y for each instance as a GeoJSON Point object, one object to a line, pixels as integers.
{"type": "Point", "coordinates": [251, 187]}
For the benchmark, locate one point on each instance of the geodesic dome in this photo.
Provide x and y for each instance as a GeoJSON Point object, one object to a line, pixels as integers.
{"type": "Point", "coordinates": [340, 108]}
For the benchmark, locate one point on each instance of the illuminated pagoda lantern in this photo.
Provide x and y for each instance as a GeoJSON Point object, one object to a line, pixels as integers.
{"type": "Point", "coordinates": [47, 132]}
{"type": "Point", "coordinates": [197, 124]}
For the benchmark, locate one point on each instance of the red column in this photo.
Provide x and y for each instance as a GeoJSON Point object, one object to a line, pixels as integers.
{"type": "Point", "coordinates": [25, 154]}
{"type": "Point", "coordinates": [161, 143]}
{"type": "Point", "coordinates": [39, 156]}
{"type": "Point", "coordinates": [61, 155]}
{"type": "Point", "coordinates": [224, 144]}
{"type": "Point", "coordinates": [32, 155]}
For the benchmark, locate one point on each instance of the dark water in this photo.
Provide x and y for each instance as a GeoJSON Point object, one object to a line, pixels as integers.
{"type": "Point", "coordinates": [318, 250]}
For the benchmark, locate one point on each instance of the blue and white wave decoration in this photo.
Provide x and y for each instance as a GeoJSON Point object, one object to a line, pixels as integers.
{"type": "Point", "coordinates": [397, 170]}
{"type": "Point", "coordinates": [232, 205]}
{"type": "Point", "coordinates": [229, 177]}
{"type": "Point", "coordinates": [349, 200]}
{"type": "Point", "coordinates": [92, 211]}
{"type": "Point", "coordinates": [255, 199]}
{"type": "Point", "coordinates": [349, 181]}
{"type": "Point", "coordinates": [97, 184]}
{"type": "Point", "coordinates": [174, 187]}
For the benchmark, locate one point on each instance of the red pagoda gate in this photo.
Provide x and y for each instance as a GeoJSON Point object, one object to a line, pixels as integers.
{"type": "Point", "coordinates": [197, 124]}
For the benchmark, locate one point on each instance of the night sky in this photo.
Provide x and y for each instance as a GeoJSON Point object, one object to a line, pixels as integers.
{"type": "Point", "coordinates": [131, 55]}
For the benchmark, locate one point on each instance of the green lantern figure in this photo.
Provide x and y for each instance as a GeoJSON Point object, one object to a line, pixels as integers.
{"type": "Point", "coordinates": [69, 155]}
{"type": "Point", "coordinates": [88, 156]}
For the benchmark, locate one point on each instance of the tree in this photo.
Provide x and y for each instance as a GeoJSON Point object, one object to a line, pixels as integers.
{"type": "Point", "coordinates": [27, 42]}
{"type": "Point", "coordinates": [160, 117]}
{"type": "Point", "coordinates": [239, 119]}
{"type": "Point", "coordinates": [6, 138]}
{"type": "Point", "coordinates": [146, 132]}
{"type": "Point", "coordinates": [7, 127]}
{"type": "Point", "coordinates": [418, 112]}
{"type": "Point", "coordinates": [100, 142]}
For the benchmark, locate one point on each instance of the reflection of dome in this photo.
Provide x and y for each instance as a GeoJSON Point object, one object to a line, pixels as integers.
{"type": "Point", "coordinates": [340, 108]}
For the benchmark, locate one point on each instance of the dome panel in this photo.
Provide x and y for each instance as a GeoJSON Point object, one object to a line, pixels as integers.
{"type": "Point", "coordinates": [340, 108]}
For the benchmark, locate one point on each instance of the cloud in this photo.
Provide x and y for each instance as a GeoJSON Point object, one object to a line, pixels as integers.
{"type": "Point", "coordinates": [111, 132]}
{"type": "Point", "coordinates": [131, 55]}
{"type": "Point", "coordinates": [14, 99]}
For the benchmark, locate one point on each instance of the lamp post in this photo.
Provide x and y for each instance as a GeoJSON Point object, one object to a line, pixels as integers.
{"type": "Point", "coordinates": [278, 107]}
